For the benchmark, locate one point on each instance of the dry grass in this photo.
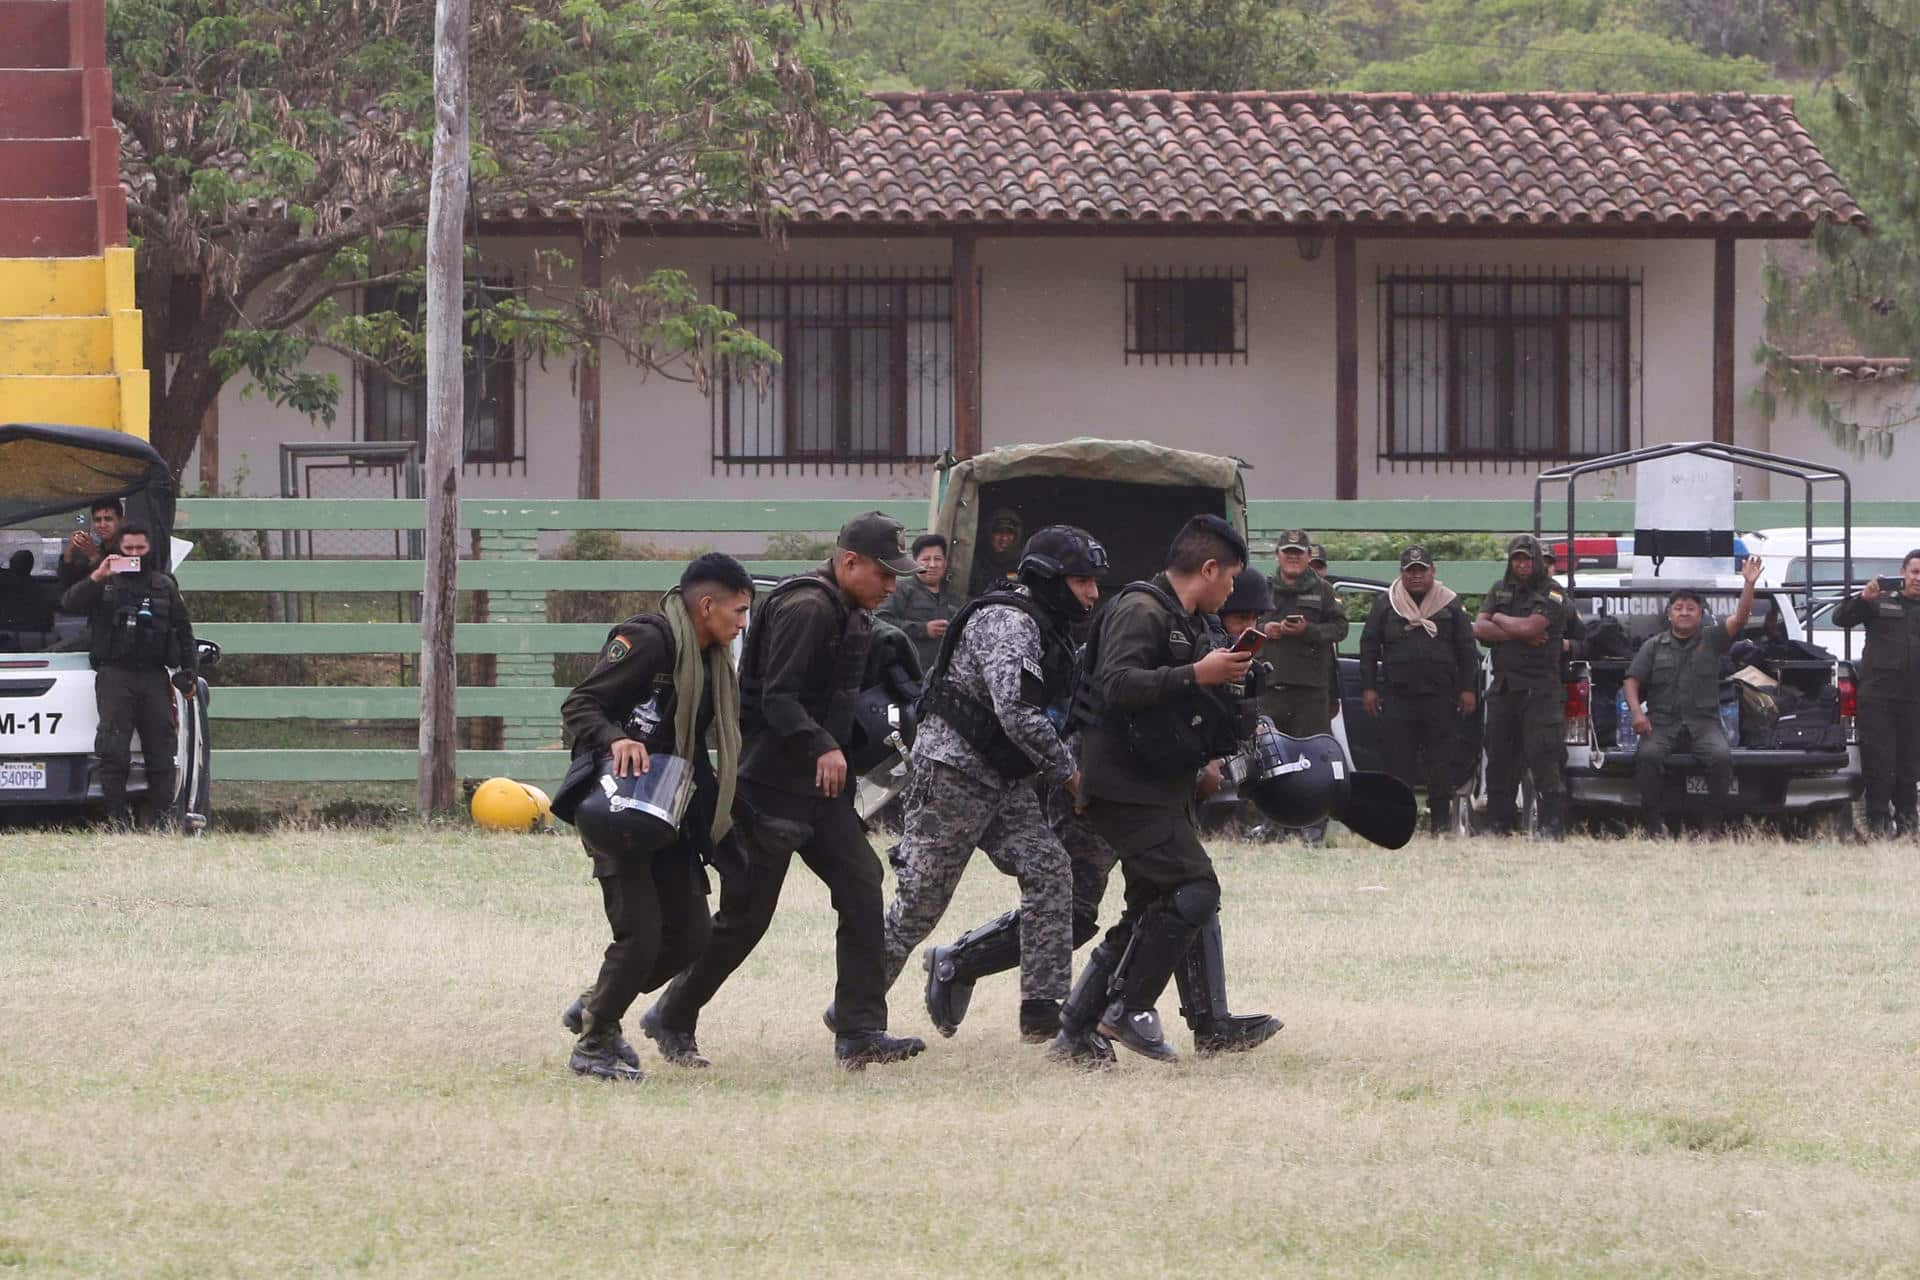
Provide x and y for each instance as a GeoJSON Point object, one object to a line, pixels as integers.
{"type": "Point", "coordinates": [328, 1052]}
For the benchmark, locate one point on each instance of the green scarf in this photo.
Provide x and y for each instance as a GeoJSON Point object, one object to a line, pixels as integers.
{"type": "Point", "coordinates": [690, 676]}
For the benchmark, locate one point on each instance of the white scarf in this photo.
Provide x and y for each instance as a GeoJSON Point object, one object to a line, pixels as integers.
{"type": "Point", "coordinates": [1419, 613]}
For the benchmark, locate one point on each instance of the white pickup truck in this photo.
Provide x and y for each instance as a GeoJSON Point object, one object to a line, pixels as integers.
{"type": "Point", "coordinates": [49, 476]}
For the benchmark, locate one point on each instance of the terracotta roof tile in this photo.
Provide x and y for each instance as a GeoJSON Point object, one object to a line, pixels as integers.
{"type": "Point", "coordinates": [1857, 368]}
{"type": "Point", "coordinates": [1546, 160]}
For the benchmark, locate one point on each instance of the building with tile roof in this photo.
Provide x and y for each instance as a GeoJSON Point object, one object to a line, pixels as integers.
{"type": "Point", "coordinates": [1361, 295]}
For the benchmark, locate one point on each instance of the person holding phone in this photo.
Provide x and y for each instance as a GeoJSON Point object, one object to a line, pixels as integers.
{"type": "Point", "coordinates": [1888, 609]}
{"type": "Point", "coordinates": [1419, 669]}
{"type": "Point", "coordinates": [138, 629]}
{"type": "Point", "coordinates": [1304, 631]}
{"type": "Point", "coordinates": [87, 546]}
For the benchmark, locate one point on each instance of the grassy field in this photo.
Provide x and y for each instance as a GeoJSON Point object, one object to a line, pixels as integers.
{"type": "Point", "coordinates": [325, 1052]}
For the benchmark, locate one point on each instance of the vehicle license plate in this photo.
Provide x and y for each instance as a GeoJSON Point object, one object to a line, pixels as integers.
{"type": "Point", "coordinates": [1697, 786]}
{"type": "Point", "coordinates": [23, 775]}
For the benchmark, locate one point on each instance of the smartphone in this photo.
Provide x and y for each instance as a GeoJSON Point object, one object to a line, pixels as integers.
{"type": "Point", "coordinates": [1250, 641]}
{"type": "Point", "coordinates": [1296, 617]}
{"type": "Point", "coordinates": [1892, 584]}
{"type": "Point", "coordinates": [123, 564]}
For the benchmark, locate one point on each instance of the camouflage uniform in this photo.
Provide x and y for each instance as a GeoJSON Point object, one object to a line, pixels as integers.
{"type": "Point", "coordinates": [957, 801]}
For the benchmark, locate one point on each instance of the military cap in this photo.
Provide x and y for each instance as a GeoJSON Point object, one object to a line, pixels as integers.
{"type": "Point", "coordinates": [1415, 555]}
{"type": "Point", "coordinates": [1295, 540]}
{"type": "Point", "coordinates": [880, 537]}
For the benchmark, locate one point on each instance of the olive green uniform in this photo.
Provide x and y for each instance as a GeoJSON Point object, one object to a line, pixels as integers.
{"type": "Point", "coordinates": [1420, 678]}
{"type": "Point", "coordinates": [911, 607]}
{"type": "Point", "coordinates": [1299, 694]}
{"type": "Point", "coordinates": [1889, 715]}
{"type": "Point", "coordinates": [1526, 722]}
{"type": "Point", "coordinates": [1680, 680]}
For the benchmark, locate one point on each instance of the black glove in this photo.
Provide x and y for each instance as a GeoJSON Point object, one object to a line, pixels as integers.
{"type": "Point", "coordinates": [186, 682]}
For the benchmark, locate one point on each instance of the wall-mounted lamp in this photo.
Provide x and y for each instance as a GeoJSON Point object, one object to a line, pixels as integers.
{"type": "Point", "coordinates": [1309, 245]}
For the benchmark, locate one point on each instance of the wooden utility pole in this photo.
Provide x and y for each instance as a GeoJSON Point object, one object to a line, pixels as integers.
{"type": "Point", "coordinates": [446, 408]}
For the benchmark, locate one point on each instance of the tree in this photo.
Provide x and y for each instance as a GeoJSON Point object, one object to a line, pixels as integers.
{"type": "Point", "coordinates": [276, 150]}
{"type": "Point", "coordinates": [1182, 44]}
{"type": "Point", "coordinates": [941, 44]}
{"type": "Point", "coordinates": [1871, 283]}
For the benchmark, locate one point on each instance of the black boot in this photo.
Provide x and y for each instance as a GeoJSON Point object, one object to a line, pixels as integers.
{"type": "Point", "coordinates": [575, 1020]}
{"type": "Point", "coordinates": [1080, 1042]}
{"type": "Point", "coordinates": [857, 1049]}
{"type": "Point", "coordinates": [993, 947]}
{"type": "Point", "coordinates": [1039, 1020]}
{"type": "Point", "coordinates": [677, 1047]}
{"type": "Point", "coordinates": [595, 1055]}
{"type": "Point", "coordinates": [1202, 980]}
{"type": "Point", "coordinates": [1552, 813]}
{"type": "Point", "coordinates": [1160, 938]}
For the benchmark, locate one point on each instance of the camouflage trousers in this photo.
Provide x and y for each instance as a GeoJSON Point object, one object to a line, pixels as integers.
{"type": "Point", "coordinates": [948, 815]}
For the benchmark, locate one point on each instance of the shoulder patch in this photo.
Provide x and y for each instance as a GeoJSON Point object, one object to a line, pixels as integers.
{"type": "Point", "coordinates": [1556, 597]}
{"type": "Point", "coordinates": [1032, 668]}
{"type": "Point", "coordinates": [617, 648]}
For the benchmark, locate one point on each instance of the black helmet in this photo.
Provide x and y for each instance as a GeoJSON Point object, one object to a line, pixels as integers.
{"type": "Point", "coordinates": [1056, 553]}
{"type": "Point", "coordinates": [1252, 593]}
{"type": "Point", "coordinates": [1295, 781]}
{"type": "Point", "coordinates": [872, 730]}
{"type": "Point", "coordinates": [639, 814]}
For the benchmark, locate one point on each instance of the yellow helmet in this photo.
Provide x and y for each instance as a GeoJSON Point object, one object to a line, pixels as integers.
{"type": "Point", "coordinates": [501, 804]}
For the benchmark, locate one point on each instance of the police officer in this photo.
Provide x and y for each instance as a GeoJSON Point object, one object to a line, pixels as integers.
{"type": "Point", "coordinates": [663, 681]}
{"type": "Point", "coordinates": [1889, 713]}
{"type": "Point", "coordinates": [986, 734]}
{"type": "Point", "coordinates": [998, 558]}
{"type": "Point", "coordinates": [922, 606]}
{"type": "Point", "coordinates": [800, 675]}
{"type": "Point", "coordinates": [138, 628]}
{"type": "Point", "coordinates": [1524, 620]}
{"type": "Point", "coordinates": [1677, 673]}
{"type": "Point", "coordinates": [1155, 712]}
{"type": "Point", "coordinates": [1424, 639]}
{"type": "Point", "coordinates": [1303, 633]}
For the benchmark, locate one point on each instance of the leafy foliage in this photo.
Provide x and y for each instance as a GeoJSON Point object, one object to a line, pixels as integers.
{"type": "Point", "coordinates": [1181, 44]}
{"type": "Point", "coordinates": [1871, 283]}
{"type": "Point", "coordinates": [278, 148]}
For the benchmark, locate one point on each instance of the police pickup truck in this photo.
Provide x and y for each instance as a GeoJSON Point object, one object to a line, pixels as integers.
{"type": "Point", "coordinates": [1788, 715]}
{"type": "Point", "coordinates": [49, 477]}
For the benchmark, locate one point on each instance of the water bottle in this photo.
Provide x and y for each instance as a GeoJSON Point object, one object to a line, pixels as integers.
{"type": "Point", "coordinates": [1730, 720]}
{"type": "Point", "coordinates": [1624, 738]}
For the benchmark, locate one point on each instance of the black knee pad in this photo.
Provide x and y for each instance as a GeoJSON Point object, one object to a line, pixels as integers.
{"type": "Point", "coordinates": [1195, 901]}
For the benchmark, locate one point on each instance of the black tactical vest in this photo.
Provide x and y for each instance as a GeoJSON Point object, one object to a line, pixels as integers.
{"type": "Point", "coordinates": [974, 720]}
{"type": "Point", "coordinates": [1174, 737]}
{"type": "Point", "coordinates": [133, 625]}
{"type": "Point", "coordinates": [834, 705]}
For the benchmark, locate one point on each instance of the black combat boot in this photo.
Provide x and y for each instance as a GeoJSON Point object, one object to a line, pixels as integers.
{"type": "Point", "coordinates": [677, 1047]}
{"type": "Point", "coordinates": [993, 947]}
{"type": "Point", "coordinates": [1080, 1042]}
{"type": "Point", "coordinates": [1551, 810]}
{"type": "Point", "coordinates": [595, 1055]}
{"type": "Point", "coordinates": [857, 1049]}
{"type": "Point", "coordinates": [575, 1020]}
{"type": "Point", "coordinates": [1039, 1020]}
{"type": "Point", "coordinates": [1160, 939]}
{"type": "Point", "coordinates": [1202, 980]}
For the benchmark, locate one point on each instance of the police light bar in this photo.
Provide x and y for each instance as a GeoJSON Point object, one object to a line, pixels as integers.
{"type": "Point", "coordinates": [1593, 553]}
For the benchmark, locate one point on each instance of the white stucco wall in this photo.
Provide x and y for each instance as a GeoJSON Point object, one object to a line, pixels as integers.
{"type": "Point", "coordinates": [1053, 366]}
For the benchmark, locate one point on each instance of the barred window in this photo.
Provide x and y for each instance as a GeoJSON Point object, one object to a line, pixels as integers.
{"type": "Point", "coordinates": [1507, 367]}
{"type": "Point", "coordinates": [866, 371]}
{"type": "Point", "coordinates": [395, 409]}
{"type": "Point", "coordinates": [1179, 314]}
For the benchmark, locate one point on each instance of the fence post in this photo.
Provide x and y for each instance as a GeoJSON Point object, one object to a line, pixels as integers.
{"type": "Point", "coordinates": [521, 670]}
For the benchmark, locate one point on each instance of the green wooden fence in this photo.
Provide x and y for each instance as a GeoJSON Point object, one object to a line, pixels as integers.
{"type": "Point", "coordinates": [524, 644]}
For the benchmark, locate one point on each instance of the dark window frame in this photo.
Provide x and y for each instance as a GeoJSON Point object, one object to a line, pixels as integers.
{"type": "Point", "coordinates": [1570, 436]}
{"type": "Point", "coordinates": [846, 315]}
{"type": "Point", "coordinates": [501, 376]}
{"type": "Point", "coordinates": [1185, 314]}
